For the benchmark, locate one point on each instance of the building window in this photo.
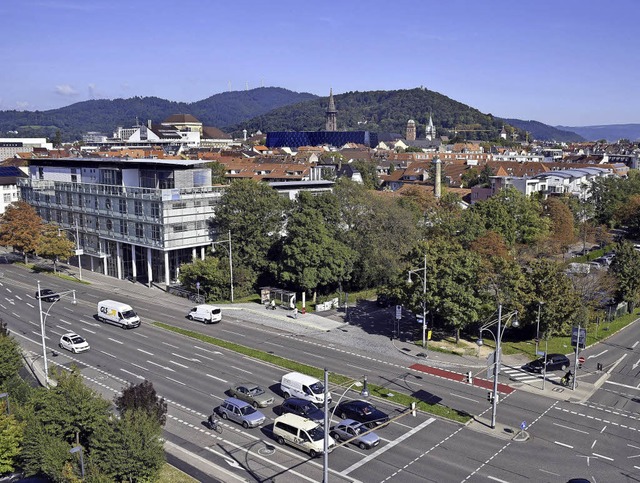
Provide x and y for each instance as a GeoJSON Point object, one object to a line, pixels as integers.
{"type": "Point", "coordinates": [180, 227]}
{"type": "Point", "coordinates": [139, 230]}
{"type": "Point", "coordinates": [69, 199]}
{"type": "Point", "coordinates": [107, 203]}
{"type": "Point", "coordinates": [109, 224]}
{"type": "Point", "coordinates": [155, 210]}
{"type": "Point", "coordinates": [59, 217]}
{"type": "Point", "coordinates": [138, 207]}
{"type": "Point", "coordinates": [97, 224]}
{"type": "Point", "coordinates": [179, 205]}
{"type": "Point", "coordinates": [124, 227]}
{"type": "Point", "coordinates": [96, 204]}
{"type": "Point", "coordinates": [122, 205]}
{"type": "Point", "coordinates": [155, 232]}
{"type": "Point", "coordinates": [7, 197]}
{"type": "Point", "coordinates": [59, 198]}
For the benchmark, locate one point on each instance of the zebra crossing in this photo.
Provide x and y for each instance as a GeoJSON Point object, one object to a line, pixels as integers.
{"type": "Point", "coordinates": [520, 375]}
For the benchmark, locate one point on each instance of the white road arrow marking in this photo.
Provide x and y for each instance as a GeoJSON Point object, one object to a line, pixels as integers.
{"type": "Point", "coordinates": [598, 355]}
{"type": "Point", "coordinates": [163, 367]}
{"type": "Point", "coordinates": [636, 364]}
{"type": "Point", "coordinates": [232, 463]}
{"type": "Point", "coordinates": [190, 359]}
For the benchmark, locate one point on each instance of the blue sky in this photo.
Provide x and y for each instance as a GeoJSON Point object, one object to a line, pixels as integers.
{"type": "Point", "coordinates": [569, 62]}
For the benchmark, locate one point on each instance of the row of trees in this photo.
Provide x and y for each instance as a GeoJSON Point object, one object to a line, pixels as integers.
{"type": "Point", "coordinates": [508, 249]}
{"type": "Point", "coordinates": [120, 441]}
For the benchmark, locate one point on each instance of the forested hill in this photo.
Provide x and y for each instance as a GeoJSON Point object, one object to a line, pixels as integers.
{"type": "Point", "coordinates": [545, 132]}
{"type": "Point", "coordinates": [225, 109]}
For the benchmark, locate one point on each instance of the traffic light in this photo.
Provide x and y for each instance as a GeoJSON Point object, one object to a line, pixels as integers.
{"type": "Point", "coordinates": [413, 409]}
{"type": "Point", "coordinates": [490, 396]}
{"type": "Point", "coordinates": [469, 377]}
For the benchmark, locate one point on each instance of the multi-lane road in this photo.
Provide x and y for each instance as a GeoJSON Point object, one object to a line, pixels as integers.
{"type": "Point", "coordinates": [598, 439]}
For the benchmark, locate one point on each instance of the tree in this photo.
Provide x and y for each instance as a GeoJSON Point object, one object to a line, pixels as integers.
{"type": "Point", "coordinates": [311, 259]}
{"type": "Point", "coordinates": [626, 269]}
{"type": "Point", "coordinates": [10, 355]}
{"type": "Point", "coordinates": [562, 230]}
{"type": "Point", "coordinates": [20, 228]}
{"type": "Point", "coordinates": [142, 397]}
{"type": "Point", "coordinates": [218, 173]}
{"type": "Point", "coordinates": [210, 274]}
{"type": "Point", "coordinates": [54, 246]}
{"type": "Point", "coordinates": [629, 215]}
{"type": "Point", "coordinates": [11, 437]}
{"type": "Point", "coordinates": [129, 448]}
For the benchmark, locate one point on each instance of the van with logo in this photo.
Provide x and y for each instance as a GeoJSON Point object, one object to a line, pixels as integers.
{"type": "Point", "coordinates": [117, 313]}
{"type": "Point", "coordinates": [301, 433]}
{"type": "Point", "coordinates": [295, 384]}
{"type": "Point", "coordinates": [209, 314]}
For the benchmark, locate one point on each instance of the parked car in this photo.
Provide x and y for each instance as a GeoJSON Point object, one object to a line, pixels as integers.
{"type": "Point", "coordinates": [554, 362]}
{"type": "Point", "coordinates": [302, 407]}
{"type": "Point", "coordinates": [349, 428]}
{"type": "Point", "coordinates": [251, 393]}
{"type": "Point", "coordinates": [47, 295]}
{"type": "Point", "coordinates": [241, 412]}
{"type": "Point", "coordinates": [73, 342]}
{"type": "Point", "coordinates": [363, 412]}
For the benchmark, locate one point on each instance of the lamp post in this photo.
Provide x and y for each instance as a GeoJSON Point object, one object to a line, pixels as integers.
{"type": "Point", "coordinates": [363, 393]}
{"type": "Point", "coordinates": [538, 328]}
{"type": "Point", "coordinates": [496, 357]}
{"type": "Point", "coordinates": [213, 248]}
{"type": "Point", "coordinates": [78, 449]}
{"type": "Point", "coordinates": [78, 249]}
{"type": "Point", "coordinates": [6, 394]}
{"type": "Point", "coordinates": [42, 322]}
{"type": "Point", "coordinates": [424, 294]}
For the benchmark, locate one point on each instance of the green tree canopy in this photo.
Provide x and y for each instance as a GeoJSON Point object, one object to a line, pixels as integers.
{"type": "Point", "coordinates": [625, 267]}
{"type": "Point", "coordinates": [11, 437]}
{"type": "Point", "coordinates": [20, 228]}
{"type": "Point", "coordinates": [142, 397]}
{"type": "Point", "coordinates": [10, 355]}
{"type": "Point", "coordinates": [54, 245]}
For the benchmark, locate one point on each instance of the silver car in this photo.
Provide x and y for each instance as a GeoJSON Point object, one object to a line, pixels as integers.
{"type": "Point", "coordinates": [349, 429]}
{"type": "Point", "coordinates": [251, 393]}
{"type": "Point", "coordinates": [241, 412]}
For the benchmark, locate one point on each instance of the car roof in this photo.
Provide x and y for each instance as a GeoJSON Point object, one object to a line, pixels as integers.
{"type": "Point", "coordinates": [246, 384]}
{"type": "Point", "coordinates": [70, 334]}
{"type": "Point", "coordinates": [350, 422]}
{"type": "Point", "coordinates": [297, 400]}
{"type": "Point", "coordinates": [236, 401]}
{"type": "Point", "coordinates": [357, 402]}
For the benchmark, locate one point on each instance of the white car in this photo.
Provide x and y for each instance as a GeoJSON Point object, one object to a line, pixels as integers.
{"type": "Point", "coordinates": [73, 342]}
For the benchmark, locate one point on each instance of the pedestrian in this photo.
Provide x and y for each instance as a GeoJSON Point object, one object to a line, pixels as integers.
{"type": "Point", "coordinates": [295, 312]}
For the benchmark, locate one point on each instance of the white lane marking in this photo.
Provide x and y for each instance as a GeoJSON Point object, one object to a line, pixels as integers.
{"type": "Point", "coordinates": [232, 332]}
{"type": "Point", "coordinates": [65, 321]}
{"type": "Point", "coordinates": [636, 364]}
{"type": "Point", "coordinates": [163, 367]}
{"type": "Point", "coordinates": [619, 384]}
{"type": "Point", "coordinates": [634, 345]}
{"type": "Point", "coordinates": [89, 330]}
{"type": "Point", "coordinates": [242, 370]}
{"type": "Point", "coordinates": [216, 378]}
{"type": "Point", "coordinates": [549, 472]}
{"type": "Point", "coordinates": [603, 457]}
{"type": "Point", "coordinates": [116, 341]}
{"type": "Point", "coordinates": [145, 352]}
{"type": "Point", "coordinates": [170, 345]}
{"type": "Point", "coordinates": [594, 443]}
{"type": "Point", "coordinates": [562, 444]}
{"type": "Point", "coordinates": [178, 382]}
{"type": "Point", "coordinates": [110, 355]}
{"type": "Point", "coordinates": [139, 366]}
{"type": "Point", "coordinates": [190, 359]}
{"type": "Point", "coordinates": [463, 397]}
{"type": "Point", "coordinates": [616, 363]}
{"type": "Point", "coordinates": [397, 441]}
{"type": "Point", "coordinates": [569, 427]}
{"type": "Point", "coordinates": [597, 355]}
{"type": "Point", "coordinates": [132, 374]}
{"type": "Point", "coordinates": [205, 357]}
{"type": "Point", "coordinates": [178, 364]}
{"type": "Point", "coordinates": [33, 307]}
{"type": "Point", "coordinates": [93, 324]}
{"type": "Point", "coordinates": [207, 350]}
{"type": "Point", "coordinates": [496, 479]}
{"type": "Point", "coordinates": [141, 335]}
{"type": "Point", "coordinates": [605, 427]}
{"type": "Point", "coordinates": [272, 343]}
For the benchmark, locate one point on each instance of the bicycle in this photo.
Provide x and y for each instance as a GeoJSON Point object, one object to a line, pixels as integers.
{"type": "Point", "coordinates": [214, 424]}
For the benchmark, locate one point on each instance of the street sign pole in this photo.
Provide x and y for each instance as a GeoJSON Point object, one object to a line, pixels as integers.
{"type": "Point", "coordinates": [575, 369]}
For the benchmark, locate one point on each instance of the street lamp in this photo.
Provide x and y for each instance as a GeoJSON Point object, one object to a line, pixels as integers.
{"type": "Point", "coordinates": [513, 318]}
{"type": "Point", "coordinates": [42, 322]}
{"type": "Point", "coordinates": [213, 249]}
{"type": "Point", "coordinates": [6, 394]}
{"type": "Point", "coordinates": [364, 393]}
{"type": "Point", "coordinates": [540, 304]}
{"type": "Point", "coordinates": [77, 449]}
{"type": "Point", "coordinates": [78, 251]}
{"type": "Point", "coordinates": [424, 294]}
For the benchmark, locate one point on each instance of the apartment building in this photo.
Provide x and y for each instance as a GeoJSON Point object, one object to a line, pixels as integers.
{"type": "Point", "coordinates": [137, 218]}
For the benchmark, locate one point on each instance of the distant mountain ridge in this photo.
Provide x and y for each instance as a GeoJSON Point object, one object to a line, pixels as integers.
{"type": "Point", "coordinates": [610, 132]}
{"type": "Point", "coordinates": [544, 132]}
{"type": "Point", "coordinates": [105, 116]}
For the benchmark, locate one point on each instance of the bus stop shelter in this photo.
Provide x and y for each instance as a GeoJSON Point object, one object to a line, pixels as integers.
{"type": "Point", "coordinates": [282, 297]}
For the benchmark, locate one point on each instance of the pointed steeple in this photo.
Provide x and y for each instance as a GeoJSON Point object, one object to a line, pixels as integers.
{"type": "Point", "coordinates": [331, 123]}
{"type": "Point", "coordinates": [431, 130]}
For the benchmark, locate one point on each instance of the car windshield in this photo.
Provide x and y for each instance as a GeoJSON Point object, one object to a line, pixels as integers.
{"type": "Point", "coordinates": [247, 410]}
{"type": "Point", "coordinates": [316, 434]}
{"type": "Point", "coordinates": [128, 314]}
{"type": "Point", "coordinates": [77, 339]}
{"type": "Point", "coordinates": [309, 408]}
{"type": "Point", "coordinates": [256, 391]}
{"type": "Point", "coordinates": [317, 388]}
{"type": "Point", "coordinates": [367, 410]}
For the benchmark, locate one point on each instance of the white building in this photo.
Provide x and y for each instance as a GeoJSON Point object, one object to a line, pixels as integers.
{"type": "Point", "coordinates": [9, 147]}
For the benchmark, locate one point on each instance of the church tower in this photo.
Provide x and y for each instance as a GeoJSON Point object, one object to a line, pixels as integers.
{"type": "Point", "coordinates": [431, 130]}
{"type": "Point", "coordinates": [331, 123]}
{"type": "Point", "coordinates": [411, 130]}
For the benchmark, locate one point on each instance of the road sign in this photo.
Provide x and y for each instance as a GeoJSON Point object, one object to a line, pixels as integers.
{"type": "Point", "coordinates": [398, 312]}
{"type": "Point", "coordinates": [581, 360]}
{"type": "Point", "coordinates": [574, 337]}
{"type": "Point", "coordinates": [540, 353]}
{"type": "Point", "coordinates": [523, 425]}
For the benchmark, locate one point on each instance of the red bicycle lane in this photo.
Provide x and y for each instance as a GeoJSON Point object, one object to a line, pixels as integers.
{"type": "Point", "coordinates": [458, 377]}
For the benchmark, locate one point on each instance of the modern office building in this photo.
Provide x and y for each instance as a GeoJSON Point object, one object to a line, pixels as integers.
{"type": "Point", "coordinates": [137, 218]}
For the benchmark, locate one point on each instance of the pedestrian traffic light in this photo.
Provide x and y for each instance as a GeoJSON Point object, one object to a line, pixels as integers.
{"type": "Point", "coordinates": [490, 396]}
{"type": "Point", "coordinates": [413, 409]}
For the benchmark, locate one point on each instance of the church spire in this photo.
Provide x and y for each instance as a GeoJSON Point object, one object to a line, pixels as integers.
{"type": "Point", "coordinates": [331, 123]}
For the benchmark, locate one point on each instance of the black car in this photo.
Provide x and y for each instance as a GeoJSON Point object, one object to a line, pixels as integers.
{"type": "Point", "coordinates": [47, 295]}
{"type": "Point", "coordinates": [363, 412]}
{"type": "Point", "coordinates": [303, 408]}
{"type": "Point", "coordinates": [555, 362]}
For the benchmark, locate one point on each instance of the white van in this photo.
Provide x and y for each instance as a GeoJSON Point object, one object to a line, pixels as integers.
{"type": "Point", "coordinates": [301, 433]}
{"type": "Point", "coordinates": [305, 387]}
{"type": "Point", "coordinates": [209, 314]}
{"type": "Point", "coordinates": [118, 313]}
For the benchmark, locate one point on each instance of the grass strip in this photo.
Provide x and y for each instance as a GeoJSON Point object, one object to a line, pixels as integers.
{"type": "Point", "coordinates": [337, 379]}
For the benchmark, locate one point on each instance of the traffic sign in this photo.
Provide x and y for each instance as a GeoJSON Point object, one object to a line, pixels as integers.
{"type": "Point", "coordinates": [540, 353]}
{"type": "Point", "coordinates": [398, 312]}
{"type": "Point", "coordinates": [581, 360]}
{"type": "Point", "coordinates": [582, 336]}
